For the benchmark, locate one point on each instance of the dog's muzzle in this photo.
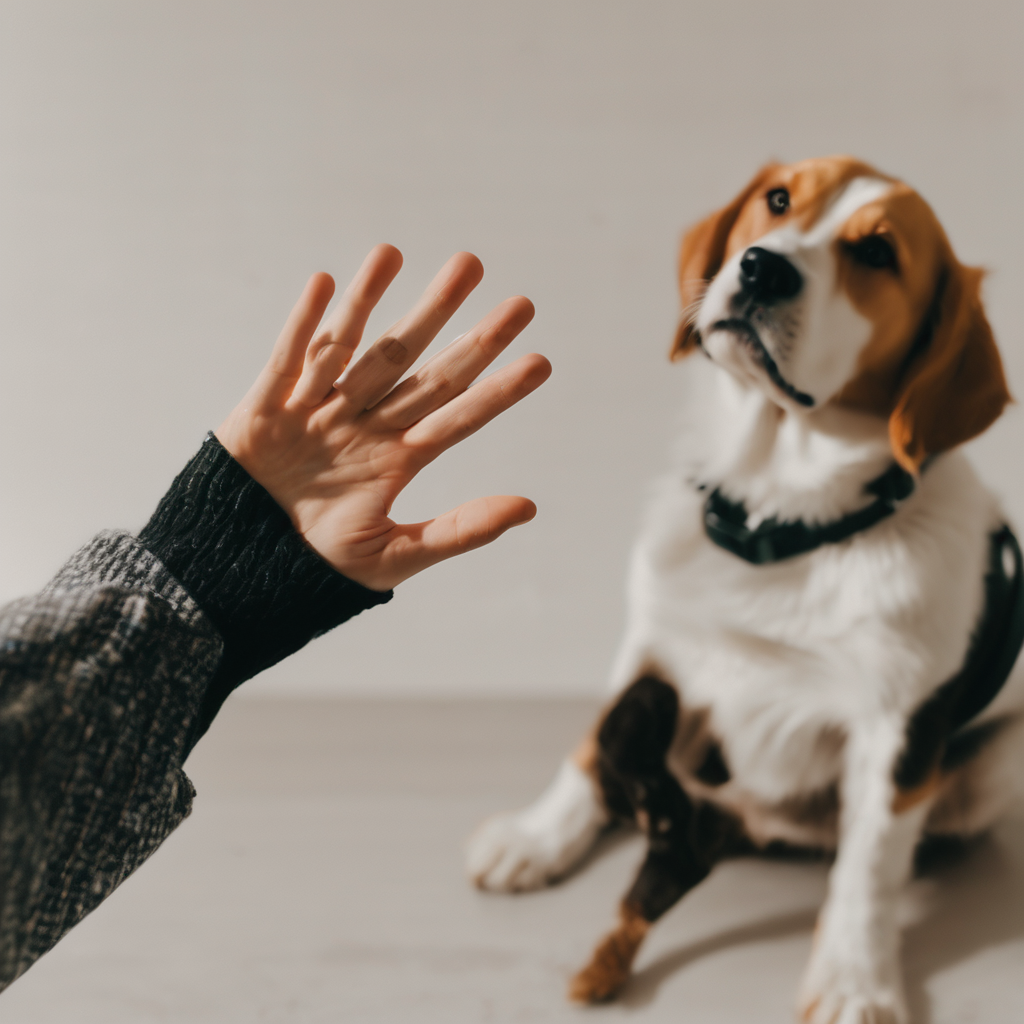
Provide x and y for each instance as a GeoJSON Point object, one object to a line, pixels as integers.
{"type": "Point", "coordinates": [744, 330]}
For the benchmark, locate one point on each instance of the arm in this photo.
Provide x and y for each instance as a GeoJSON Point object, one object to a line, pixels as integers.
{"type": "Point", "coordinates": [109, 676]}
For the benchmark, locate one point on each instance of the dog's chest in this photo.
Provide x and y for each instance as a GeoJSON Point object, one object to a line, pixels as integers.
{"type": "Point", "coordinates": [781, 657]}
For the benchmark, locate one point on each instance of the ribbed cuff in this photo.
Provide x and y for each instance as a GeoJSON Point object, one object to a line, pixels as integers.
{"type": "Point", "coordinates": [235, 551]}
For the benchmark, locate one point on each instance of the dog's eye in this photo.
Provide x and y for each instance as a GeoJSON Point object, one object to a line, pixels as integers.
{"type": "Point", "coordinates": [778, 200]}
{"type": "Point", "coordinates": [874, 251]}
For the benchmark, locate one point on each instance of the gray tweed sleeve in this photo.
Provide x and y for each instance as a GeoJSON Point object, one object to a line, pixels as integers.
{"type": "Point", "coordinates": [101, 676]}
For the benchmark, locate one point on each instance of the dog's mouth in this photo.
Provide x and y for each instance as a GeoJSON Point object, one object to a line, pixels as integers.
{"type": "Point", "coordinates": [745, 330]}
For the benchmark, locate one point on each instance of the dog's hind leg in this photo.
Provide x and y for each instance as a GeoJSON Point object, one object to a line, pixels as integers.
{"type": "Point", "coordinates": [685, 838]}
{"type": "Point", "coordinates": [983, 778]}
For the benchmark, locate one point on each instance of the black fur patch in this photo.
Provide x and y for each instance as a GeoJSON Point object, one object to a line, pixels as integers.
{"type": "Point", "coordinates": [685, 838]}
{"type": "Point", "coordinates": [713, 770]}
{"type": "Point", "coordinates": [939, 722]}
{"type": "Point", "coordinates": [927, 733]}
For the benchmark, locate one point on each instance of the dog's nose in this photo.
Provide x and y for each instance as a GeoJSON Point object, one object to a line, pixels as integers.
{"type": "Point", "coordinates": [767, 276]}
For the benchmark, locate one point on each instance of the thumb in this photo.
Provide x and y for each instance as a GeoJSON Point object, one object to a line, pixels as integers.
{"type": "Point", "coordinates": [469, 526]}
{"type": "Point", "coordinates": [474, 524]}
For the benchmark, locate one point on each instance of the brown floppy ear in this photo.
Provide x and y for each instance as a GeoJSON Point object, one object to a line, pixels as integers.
{"type": "Point", "coordinates": [700, 258]}
{"type": "Point", "coordinates": [956, 387]}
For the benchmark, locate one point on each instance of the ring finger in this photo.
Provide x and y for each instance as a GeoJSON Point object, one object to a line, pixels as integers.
{"type": "Point", "coordinates": [454, 368]}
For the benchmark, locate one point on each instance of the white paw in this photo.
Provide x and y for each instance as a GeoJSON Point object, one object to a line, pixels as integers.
{"type": "Point", "coordinates": [838, 992]}
{"type": "Point", "coordinates": [526, 849]}
{"type": "Point", "coordinates": [506, 856]}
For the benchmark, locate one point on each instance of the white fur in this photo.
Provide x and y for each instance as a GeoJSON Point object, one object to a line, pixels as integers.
{"type": "Point", "coordinates": [529, 848]}
{"type": "Point", "coordinates": [808, 669]}
{"type": "Point", "coordinates": [854, 972]}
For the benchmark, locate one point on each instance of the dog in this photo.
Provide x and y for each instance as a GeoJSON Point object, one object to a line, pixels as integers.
{"type": "Point", "coordinates": [825, 603]}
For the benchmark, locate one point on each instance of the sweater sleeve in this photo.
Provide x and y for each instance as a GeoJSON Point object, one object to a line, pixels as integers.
{"type": "Point", "coordinates": [235, 551]}
{"type": "Point", "coordinates": [101, 675]}
{"type": "Point", "coordinates": [111, 673]}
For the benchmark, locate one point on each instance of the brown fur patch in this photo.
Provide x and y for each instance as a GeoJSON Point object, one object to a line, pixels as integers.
{"type": "Point", "coordinates": [905, 799]}
{"type": "Point", "coordinates": [895, 304]}
{"type": "Point", "coordinates": [585, 756]}
{"type": "Point", "coordinates": [701, 257]}
{"type": "Point", "coordinates": [953, 387]}
{"type": "Point", "coordinates": [612, 961]}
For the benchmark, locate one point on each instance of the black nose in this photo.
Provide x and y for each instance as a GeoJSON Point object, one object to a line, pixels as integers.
{"type": "Point", "coordinates": [767, 276]}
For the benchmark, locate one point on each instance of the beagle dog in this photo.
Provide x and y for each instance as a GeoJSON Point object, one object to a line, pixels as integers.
{"type": "Point", "coordinates": [825, 603]}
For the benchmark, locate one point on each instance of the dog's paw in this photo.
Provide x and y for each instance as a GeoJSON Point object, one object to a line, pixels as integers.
{"type": "Point", "coordinates": [527, 849]}
{"type": "Point", "coordinates": [853, 1008]}
{"type": "Point", "coordinates": [610, 966]}
{"type": "Point", "coordinates": [834, 992]}
{"type": "Point", "coordinates": [507, 853]}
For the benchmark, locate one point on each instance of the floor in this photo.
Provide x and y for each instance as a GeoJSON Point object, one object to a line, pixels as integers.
{"type": "Point", "coordinates": [319, 879]}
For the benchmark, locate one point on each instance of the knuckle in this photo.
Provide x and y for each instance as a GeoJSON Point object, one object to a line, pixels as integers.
{"type": "Point", "coordinates": [486, 340]}
{"type": "Point", "coordinates": [360, 302]}
{"type": "Point", "coordinates": [393, 350]}
{"type": "Point", "coordinates": [438, 386]}
{"type": "Point", "coordinates": [445, 298]}
{"type": "Point", "coordinates": [509, 389]}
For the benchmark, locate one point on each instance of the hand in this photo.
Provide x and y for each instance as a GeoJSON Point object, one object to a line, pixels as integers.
{"type": "Point", "coordinates": [335, 453]}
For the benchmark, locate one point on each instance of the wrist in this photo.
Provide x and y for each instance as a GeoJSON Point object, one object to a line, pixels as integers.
{"type": "Point", "coordinates": [235, 551]}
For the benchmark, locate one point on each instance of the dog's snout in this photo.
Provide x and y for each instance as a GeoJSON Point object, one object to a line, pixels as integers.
{"type": "Point", "coordinates": [767, 276]}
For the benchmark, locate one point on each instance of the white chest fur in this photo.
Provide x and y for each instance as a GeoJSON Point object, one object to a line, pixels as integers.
{"type": "Point", "coordinates": [784, 655]}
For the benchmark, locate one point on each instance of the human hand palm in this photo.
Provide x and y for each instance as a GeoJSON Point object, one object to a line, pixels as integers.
{"type": "Point", "coordinates": [336, 455]}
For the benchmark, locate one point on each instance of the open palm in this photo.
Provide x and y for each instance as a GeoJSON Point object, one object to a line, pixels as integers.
{"type": "Point", "coordinates": [334, 441]}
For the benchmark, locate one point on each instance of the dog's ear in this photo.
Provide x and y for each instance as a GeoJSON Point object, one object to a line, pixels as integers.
{"type": "Point", "coordinates": [700, 258]}
{"type": "Point", "coordinates": [956, 387]}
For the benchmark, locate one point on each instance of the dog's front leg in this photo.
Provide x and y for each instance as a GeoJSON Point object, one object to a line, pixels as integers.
{"type": "Point", "coordinates": [854, 974]}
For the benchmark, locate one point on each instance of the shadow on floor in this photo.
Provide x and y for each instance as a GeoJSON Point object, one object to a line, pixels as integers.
{"type": "Point", "coordinates": [644, 985]}
{"type": "Point", "coordinates": [973, 900]}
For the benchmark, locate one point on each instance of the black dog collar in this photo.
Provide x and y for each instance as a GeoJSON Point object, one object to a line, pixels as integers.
{"type": "Point", "coordinates": [772, 541]}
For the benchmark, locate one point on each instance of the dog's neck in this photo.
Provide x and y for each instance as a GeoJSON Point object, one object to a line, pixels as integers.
{"type": "Point", "coordinates": [791, 465]}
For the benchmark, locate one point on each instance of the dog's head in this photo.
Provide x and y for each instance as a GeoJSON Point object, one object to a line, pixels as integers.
{"type": "Point", "coordinates": [826, 281]}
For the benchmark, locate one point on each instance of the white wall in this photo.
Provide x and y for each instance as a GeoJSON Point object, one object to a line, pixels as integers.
{"type": "Point", "coordinates": [170, 173]}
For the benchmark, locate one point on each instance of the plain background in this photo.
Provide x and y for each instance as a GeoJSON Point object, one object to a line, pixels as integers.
{"type": "Point", "coordinates": [171, 173]}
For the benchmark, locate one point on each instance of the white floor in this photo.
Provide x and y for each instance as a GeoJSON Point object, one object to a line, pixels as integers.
{"type": "Point", "coordinates": [319, 879]}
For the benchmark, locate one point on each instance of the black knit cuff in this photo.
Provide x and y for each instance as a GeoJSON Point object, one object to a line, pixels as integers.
{"type": "Point", "coordinates": [234, 549]}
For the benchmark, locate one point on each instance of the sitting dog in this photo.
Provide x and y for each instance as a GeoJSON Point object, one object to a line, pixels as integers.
{"type": "Point", "coordinates": [824, 606]}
